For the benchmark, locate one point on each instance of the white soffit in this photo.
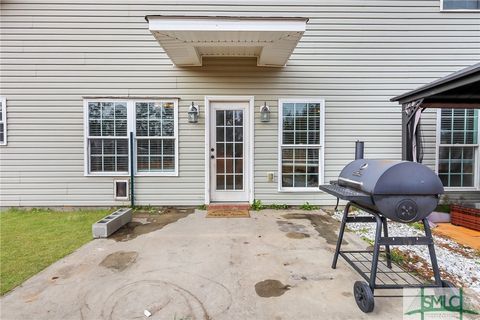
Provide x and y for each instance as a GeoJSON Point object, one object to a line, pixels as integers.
{"type": "Point", "coordinates": [187, 39]}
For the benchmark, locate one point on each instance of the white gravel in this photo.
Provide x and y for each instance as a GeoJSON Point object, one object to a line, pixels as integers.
{"type": "Point", "coordinates": [465, 267]}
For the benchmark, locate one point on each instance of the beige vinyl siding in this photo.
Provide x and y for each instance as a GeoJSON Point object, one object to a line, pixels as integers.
{"type": "Point", "coordinates": [355, 54]}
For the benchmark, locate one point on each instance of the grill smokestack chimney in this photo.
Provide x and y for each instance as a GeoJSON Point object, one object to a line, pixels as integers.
{"type": "Point", "coordinates": [359, 147]}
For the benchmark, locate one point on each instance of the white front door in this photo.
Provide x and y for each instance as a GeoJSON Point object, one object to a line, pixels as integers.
{"type": "Point", "coordinates": [229, 149]}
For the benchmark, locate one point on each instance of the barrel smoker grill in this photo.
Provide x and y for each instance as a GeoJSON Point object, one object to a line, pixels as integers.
{"type": "Point", "coordinates": [401, 191]}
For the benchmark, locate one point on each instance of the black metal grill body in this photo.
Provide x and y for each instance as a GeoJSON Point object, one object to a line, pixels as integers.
{"type": "Point", "coordinates": [401, 190]}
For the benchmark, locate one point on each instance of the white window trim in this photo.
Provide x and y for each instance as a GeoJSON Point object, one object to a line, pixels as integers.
{"type": "Point", "coordinates": [4, 121]}
{"type": "Point", "coordinates": [131, 127]}
{"type": "Point", "coordinates": [437, 150]}
{"type": "Point", "coordinates": [321, 146]}
{"type": "Point", "coordinates": [175, 137]}
{"type": "Point", "coordinates": [456, 10]}
{"type": "Point", "coordinates": [86, 158]}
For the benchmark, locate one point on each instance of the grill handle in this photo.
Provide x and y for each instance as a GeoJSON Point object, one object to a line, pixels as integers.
{"type": "Point", "coordinates": [344, 182]}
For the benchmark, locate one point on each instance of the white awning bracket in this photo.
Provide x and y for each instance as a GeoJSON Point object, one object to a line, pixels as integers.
{"type": "Point", "coordinates": [186, 40]}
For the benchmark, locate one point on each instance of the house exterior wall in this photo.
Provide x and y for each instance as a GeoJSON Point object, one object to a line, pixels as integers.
{"type": "Point", "coordinates": [355, 54]}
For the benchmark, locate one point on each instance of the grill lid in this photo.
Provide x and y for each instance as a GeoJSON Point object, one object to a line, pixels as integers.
{"type": "Point", "coordinates": [378, 177]}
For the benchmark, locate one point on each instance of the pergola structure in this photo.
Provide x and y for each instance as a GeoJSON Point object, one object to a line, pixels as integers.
{"type": "Point", "coordinates": [460, 89]}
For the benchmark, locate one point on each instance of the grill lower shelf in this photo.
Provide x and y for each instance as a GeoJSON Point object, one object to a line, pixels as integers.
{"type": "Point", "coordinates": [386, 278]}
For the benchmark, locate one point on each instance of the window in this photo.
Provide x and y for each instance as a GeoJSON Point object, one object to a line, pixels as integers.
{"type": "Point", "coordinates": [107, 137]}
{"type": "Point", "coordinates": [300, 144]}
{"type": "Point", "coordinates": [3, 121]}
{"type": "Point", "coordinates": [460, 4]}
{"type": "Point", "coordinates": [155, 128]}
{"type": "Point", "coordinates": [458, 147]}
{"type": "Point", "coordinates": [107, 141]}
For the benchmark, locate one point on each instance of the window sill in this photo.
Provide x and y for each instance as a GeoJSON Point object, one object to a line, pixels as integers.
{"type": "Point", "coordinates": [299, 190]}
{"type": "Point", "coordinates": [157, 174]}
{"type": "Point", "coordinates": [459, 10]}
{"type": "Point", "coordinates": [126, 174]}
{"type": "Point", "coordinates": [458, 189]}
{"type": "Point", "coordinates": [108, 174]}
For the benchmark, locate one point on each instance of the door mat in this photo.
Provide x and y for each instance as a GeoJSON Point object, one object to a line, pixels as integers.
{"type": "Point", "coordinates": [227, 213]}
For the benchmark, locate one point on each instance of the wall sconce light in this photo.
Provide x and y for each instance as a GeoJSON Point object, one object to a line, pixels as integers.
{"type": "Point", "coordinates": [193, 112]}
{"type": "Point", "coordinates": [265, 113]}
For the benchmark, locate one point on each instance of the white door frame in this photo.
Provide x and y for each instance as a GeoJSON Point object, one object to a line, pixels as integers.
{"type": "Point", "coordinates": [249, 153]}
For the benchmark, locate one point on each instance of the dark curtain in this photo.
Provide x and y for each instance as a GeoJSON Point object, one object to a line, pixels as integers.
{"type": "Point", "coordinates": [420, 142]}
{"type": "Point", "coordinates": [414, 144]}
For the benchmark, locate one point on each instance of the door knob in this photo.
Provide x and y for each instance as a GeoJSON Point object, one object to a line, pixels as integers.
{"type": "Point", "coordinates": [212, 149]}
{"type": "Point", "coordinates": [212, 156]}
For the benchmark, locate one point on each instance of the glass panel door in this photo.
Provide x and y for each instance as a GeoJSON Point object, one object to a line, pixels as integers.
{"type": "Point", "coordinates": [228, 147]}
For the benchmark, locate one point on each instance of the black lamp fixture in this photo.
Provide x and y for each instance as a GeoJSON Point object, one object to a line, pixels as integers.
{"type": "Point", "coordinates": [265, 113]}
{"type": "Point", "coordinates": [193, 112]}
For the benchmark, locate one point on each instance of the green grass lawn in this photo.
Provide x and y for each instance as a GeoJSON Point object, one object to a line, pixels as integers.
{"type": "Point", "coordinates": [32, 240]}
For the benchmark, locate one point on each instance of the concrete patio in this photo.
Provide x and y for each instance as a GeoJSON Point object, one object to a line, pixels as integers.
{"type": "Point", "coordinates": [199, 268]}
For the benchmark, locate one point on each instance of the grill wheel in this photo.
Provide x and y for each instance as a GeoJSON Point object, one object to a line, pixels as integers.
{"type": "Point", "coordinates": [363, 296]}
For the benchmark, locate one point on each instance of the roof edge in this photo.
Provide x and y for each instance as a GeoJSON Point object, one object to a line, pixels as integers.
{"type": "Point", "coordinates": [147, 17]}
{"type": "Point", "coordinates": [444, 81]}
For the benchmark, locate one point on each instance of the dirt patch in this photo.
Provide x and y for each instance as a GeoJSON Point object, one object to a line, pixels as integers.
{"type": "Point", "coordinates": [119, 260]}
{"type": "Point", "coordinates": [65, 272]}
{"type": "Point", "coordinates": [420, 268]}
{"type": "Point", "coordinates": [297, 235]}
{"type": "Point", "coordinates": [311, 277]}
{"type": "Point", "coordinates": [143, 223]}
{"type": "Point", "coordinates": [325, 225]}
{"type": "Point", "coordinates": [293, 231]}
{"type": "Point", "coordinates": [32, 297]}
{"type": "Point", "coordinates": [270, 288]}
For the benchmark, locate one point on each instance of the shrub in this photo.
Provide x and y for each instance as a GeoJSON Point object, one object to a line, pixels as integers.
{"type": "Point", "coordinates": [308, 207]}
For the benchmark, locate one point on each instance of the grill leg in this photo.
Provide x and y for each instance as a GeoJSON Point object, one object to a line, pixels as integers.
{"type": "Point", "coordinates": [387, 247]}
{"type": "Point", "coordinates": [376, 251]}
{"type": "Point", "coordinates": [433, 256]}
{"type": "Point", "coordinates": [340, 235]}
